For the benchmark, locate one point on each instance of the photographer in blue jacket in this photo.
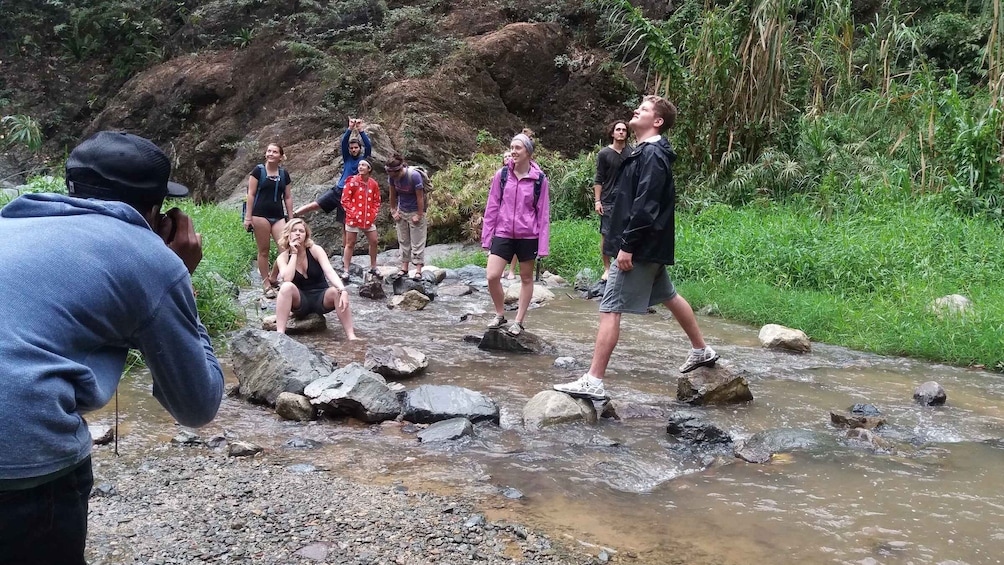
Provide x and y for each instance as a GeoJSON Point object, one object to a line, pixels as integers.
{"type": "Point", "coordinates": [86, 278]}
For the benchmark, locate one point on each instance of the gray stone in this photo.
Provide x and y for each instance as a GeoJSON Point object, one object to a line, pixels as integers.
{"type": "Point", "coordinates": [540, 294]}
{"type": "Point", "coordinates": [525, 342]}
{"type": "Point", "coordinates": [186, 437]}
{"type": "Point", "coordinates": [565, 362]}
{"type": "Point", "coordinates": [930, 394]}
{"type": "Point", "coordinates": [101, 435]}
{"type": "Point", "coordinates": [584, 279]}
{"type": "Point", "coordinates": [410, 301]}
{"type": "Point", "coordinates": [455, 290]}
{"type": "Point", "coordinates": [552, 280]}
{"type": "Point", "coordinates": [243, 449]}
{"type": "Point", "coordinates": [472, 274]}
{"type": "Point", "coordinates": [714, 385]}
{"type": "Point", "coordinates": [395, 361]}
{"type": "Point", "coordinates": [855, 421]}
{"type": "Point", "coordinates": [357, 392]}
{"type": "Point", "coordinates": [693, 429]}
{"type": "Point", "coordinates": [446, 430]}
{"type": "Point", "coordinates": [868, 438]}
{"type": "Point", "coordinates": [952, 305]}
{"type": "Point", "coordinates": [310, 323]}
{"type": "Point", "coordinates": [373, 289]}
{"type": "Point", "coordinates": [301, 443]}
{"type": "Point", "coordinates": [762, 446]}
{"type": "Point", "coordinates": [433, 273]}
{"type": "Point", "coordinates": [709, 310]}
{"type": "Point", "coordinates": [514, 494]}
{"type": "Point", "coordinates": [315, 551]}
{"type": "Point", "coordinates": [292, 406]}
{"type": "Point", "coordinates": [432, 403]}
{"type": "Point", "coordinates": [550, 407]}
{"type": "Point", "coordinates": [404, 285]}
{"type": "Point", "coordinates": [269, 363]}
{"type": "Point", "coordinates": [860, 409]}
{"type": "Point", "coordinates": [774, 336]}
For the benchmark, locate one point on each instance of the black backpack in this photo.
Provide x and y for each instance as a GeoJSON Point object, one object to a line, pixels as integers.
{"type": "Point", "coordinates": [536, 186]}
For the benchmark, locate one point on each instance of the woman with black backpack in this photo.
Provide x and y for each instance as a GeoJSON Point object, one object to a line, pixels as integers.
{"type": "Point", "coordinates": [267, 209]}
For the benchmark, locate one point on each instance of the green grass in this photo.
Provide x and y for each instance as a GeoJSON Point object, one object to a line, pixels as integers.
{"type": "Point", "coordinates": [459, 259]}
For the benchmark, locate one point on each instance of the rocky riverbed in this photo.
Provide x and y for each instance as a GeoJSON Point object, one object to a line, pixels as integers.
{"type": "Point", "coordinates": [175, 505]}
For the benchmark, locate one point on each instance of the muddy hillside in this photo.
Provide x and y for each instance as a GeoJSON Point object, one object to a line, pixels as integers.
{"type": "Point", "coordinates": [212, 82]}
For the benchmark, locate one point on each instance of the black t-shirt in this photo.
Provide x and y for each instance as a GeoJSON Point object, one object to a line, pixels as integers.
{"type": "Point", "coordinates": [607, 163]}
{"type": "Point", "coordinates": [314, 279]}
{"type": "Point", "coordinates": [271, 193]}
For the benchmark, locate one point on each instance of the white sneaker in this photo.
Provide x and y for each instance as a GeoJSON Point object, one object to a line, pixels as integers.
{"type": "Point", "coordinates": [586, 385]}
{"type": "Point", "coordinates": [695, 360]}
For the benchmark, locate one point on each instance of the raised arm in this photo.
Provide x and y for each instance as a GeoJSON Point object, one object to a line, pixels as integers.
{"type": "Point", "coordinates": [367, 146]}
{"type": "Point", "coordinates": [345, 144]}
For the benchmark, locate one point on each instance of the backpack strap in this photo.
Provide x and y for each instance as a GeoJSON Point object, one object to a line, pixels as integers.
{"type": "Point", "coordinates": [537, 185]}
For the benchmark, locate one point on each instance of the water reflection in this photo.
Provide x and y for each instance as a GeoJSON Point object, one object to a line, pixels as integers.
{"type": "Point", "coordinates": [935, 497]}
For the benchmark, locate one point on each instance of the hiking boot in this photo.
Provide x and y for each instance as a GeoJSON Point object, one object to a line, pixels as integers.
{"type": "Point", "coordinates": [707, 358]}
{"type": "Point", "coordinates": [586, 386]}
{"type": "Point", "coordinates": [497, 322]}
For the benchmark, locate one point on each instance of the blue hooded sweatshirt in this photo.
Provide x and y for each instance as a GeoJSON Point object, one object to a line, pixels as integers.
{"type": "Point", "coordinates": [82, 282]}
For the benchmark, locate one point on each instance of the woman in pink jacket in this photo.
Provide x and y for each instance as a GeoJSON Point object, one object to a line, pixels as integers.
{"type": "Point", "coordinates": [517, 222]}
{"type": "Point", "coordinates": [361, 202]}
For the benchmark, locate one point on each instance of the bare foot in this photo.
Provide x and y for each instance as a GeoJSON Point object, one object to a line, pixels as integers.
{"type": "Point", "coordinates": [354, 337]}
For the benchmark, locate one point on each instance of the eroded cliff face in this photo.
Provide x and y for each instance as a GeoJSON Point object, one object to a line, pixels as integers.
{"type": "Point", "coordinates": [213, 109]}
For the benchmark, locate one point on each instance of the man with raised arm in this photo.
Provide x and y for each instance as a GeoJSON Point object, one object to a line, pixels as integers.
{"type": "Point", "coordinates": [87, 277]}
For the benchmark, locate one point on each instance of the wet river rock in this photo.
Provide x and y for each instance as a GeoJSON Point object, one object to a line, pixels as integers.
{"type": "Point", "coordinates": [295, 407]}
{"type": "Point", "coordinates": [691, 428]}
{"type": "Point", "coordinates": [930, 394]}
{"type": "Point", "coordinates": [775, 336]}
{"type": "Point", "coordinates": [525, 342]}
{"type": "Point", "coordinates": [404, 285]}
{"type": "Point", "coordinates": [540, 294]}
{"type": "Point", "coordinates": [446, 430]}
{"type": "Point", "coordinates": [372, 289]}
{"type": "Point", "coordinates": [269, 363]}
{"type": "Point", "coordinates": [855, 421]}
{"type": "Point", "coordinates": [395, 361]}
{"type": "Point", "coordinates": [308, 324]}
{"type": "Point", "coordinates": [427, 404]}
{"type": "Point", "coordinates": [761, 446]}
{"type": "Point", "coordinates": [357, 392]}
{"type": "Point", "coordinates": [455, 290]}
{"type": "Point", "coordinates": [550, 407]}
{"type": "Point", "coordinates": [410, 301]}
{"type": "Point", "coordinates": [715, 385]}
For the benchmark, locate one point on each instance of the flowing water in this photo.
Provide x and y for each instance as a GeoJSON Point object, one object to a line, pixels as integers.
{"type": "Point", "coordinates": [935, 496]}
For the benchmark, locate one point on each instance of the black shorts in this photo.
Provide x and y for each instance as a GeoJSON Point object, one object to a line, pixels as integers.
{"type": "Point", "coordinates": [605, 219]}
{"type": "Point", "coordinates": [311, 302]}
{"type": "Point", "coordinates": [524, 249]}
{"type": "Point", "coordinates": [330, 201]}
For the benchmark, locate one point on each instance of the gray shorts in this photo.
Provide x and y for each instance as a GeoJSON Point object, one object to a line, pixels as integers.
{"type": "Point", "coordinates": [632, 292]}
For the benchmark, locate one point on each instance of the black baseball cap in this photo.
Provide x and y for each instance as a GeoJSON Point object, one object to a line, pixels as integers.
{"type": "Point", "coordinates": [120, 166]}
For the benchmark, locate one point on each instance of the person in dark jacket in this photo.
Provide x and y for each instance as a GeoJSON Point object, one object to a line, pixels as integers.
{"type": "Point", "coordinates": [642, 238]}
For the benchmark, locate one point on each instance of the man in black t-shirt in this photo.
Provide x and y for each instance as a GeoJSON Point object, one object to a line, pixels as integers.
{"type": "Point", "coordinates": [607, 163]}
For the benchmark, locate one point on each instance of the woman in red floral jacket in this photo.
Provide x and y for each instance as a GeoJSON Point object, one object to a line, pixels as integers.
{"type": "Point", "coordinates": [361, 201]}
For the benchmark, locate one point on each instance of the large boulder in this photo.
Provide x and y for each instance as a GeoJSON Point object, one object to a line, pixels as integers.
{"type": "Point", "coordinates": [525, 342]}
{"type": "Point", "coordinates": [455, 290]}
{"type": "Point", "coordinates": [446, 430]}
{"type": "Point", "coordinates": [432, 403]}
{"type": "Point", "coordinates": [395, 361]}
{"type": "Point", "coordinates": [269, 363]}
{"type": "Point", "coordinates": [357, 392]}
{"type": "Point", "coordinates": [930, 394]}
{"type": "Point", "coordinates": [540, 294]}
{"type": "Point", "coordinates": [693, 429]}
{"type": "Point", "coordinates": [372, 289]}
{"type": "Point", "coordinates": [473, 274]}
{"type": "Point", "coordinates": [775, 336]}
{"type": "Point", "coordinates": [718, 385]}
{"type": "Point", "coordinates": [411, 301]}
{"type": "Point", "coordinates": [550, 407]}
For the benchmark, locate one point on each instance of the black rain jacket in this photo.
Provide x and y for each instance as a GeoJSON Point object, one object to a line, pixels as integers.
{"type": "Point", "coordinates": [643, 218]}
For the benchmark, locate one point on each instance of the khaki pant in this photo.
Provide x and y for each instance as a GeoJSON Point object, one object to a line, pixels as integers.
{"type": "Point", "coordinates": [411, 238]}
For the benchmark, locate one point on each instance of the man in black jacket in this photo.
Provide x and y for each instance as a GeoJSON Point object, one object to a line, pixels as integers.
{"type": "Point", "coordinates": [642, 237]}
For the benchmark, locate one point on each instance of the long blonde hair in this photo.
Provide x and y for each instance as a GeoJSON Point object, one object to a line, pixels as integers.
{"type": "Point", "coordinates": [284, 238]}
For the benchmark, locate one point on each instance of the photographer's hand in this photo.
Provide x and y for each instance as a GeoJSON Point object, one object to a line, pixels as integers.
{"type": "Point", "coordinates": [178, 232]}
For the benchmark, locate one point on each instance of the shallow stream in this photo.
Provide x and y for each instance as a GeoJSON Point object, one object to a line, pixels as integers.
{"type": "Point", "coordinates": [938, 497]}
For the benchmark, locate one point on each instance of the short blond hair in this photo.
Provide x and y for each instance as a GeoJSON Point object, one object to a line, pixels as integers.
{"type": "Point", "coordinates": [664, 109]}
{"type": "Point", "coordinates": [284, 238]}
